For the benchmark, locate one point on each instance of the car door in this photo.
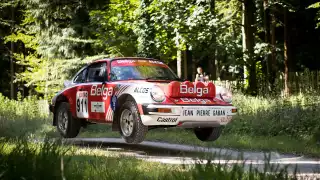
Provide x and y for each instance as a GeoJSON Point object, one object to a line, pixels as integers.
{"type": "Point", "coordinates": [81, 98]}
{"type": "Point", "coordinates": [96, 91]}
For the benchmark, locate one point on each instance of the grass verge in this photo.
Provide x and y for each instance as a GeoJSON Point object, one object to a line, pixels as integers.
{"type": "Point", "coordinates": [49, 160]}
{"type": "Point", "coordinates": [282, 144]}
{"type": "Point", "coordinates": [284, 125]}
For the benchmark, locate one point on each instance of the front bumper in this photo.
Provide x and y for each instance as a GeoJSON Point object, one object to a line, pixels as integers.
{"type": "Point", "coordinates": [187, 116]}
{"type": "Point", "coordinates": [51, 107]}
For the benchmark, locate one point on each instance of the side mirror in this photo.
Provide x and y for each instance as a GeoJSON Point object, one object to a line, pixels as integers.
{"type": "Point", "coordinates": [112, 76]}
{"type": "Point", "coordinates": [67, 83]}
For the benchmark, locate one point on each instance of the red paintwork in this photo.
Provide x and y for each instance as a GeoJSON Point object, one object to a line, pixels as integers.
{"type": "Point", "coordinates": [189, 89]}
{"type": "Point", "coordinates": [184, 93]}
{"type": "Point", "coordinates": [97, 117]}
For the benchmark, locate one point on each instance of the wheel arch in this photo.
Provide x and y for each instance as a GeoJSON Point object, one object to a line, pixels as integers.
{"type": "Point", "coordinates": [121, 100]}
{"type": "Point", "coordinates": [61, 98]}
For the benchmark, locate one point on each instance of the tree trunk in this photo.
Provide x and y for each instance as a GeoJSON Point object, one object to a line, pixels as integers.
{"type": "Point", "coordinates": [268, 57]}
{"type": "Point", "coordinates": [248, 36]}
{"type": "Point", "coordinates": [193, 68]}
{"type": "Point", "coordinates": [12, 90]}
{"type": "Point", "coordinates": [179, 59]}
{"type": "Point", "coordinates": [244, 47]}
{"type": "Point", "coordinates": [273, 51]}
{"type": "Point", "coordinates": [212, 60]}
{"type": "Point", "coordinates": [185, 64]}
{"type": "Point", "coordinates": [179, 56]}
{"type": "Point", "coordinates": [286, 54]}
{"type": "Point", "coordinates": [316, 79]}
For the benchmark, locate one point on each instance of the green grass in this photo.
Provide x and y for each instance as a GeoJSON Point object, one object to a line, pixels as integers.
{"type": "Point", "coordinates": [285, 125]}
{"type": "Point", "coordinates": [283, 144]}
{"type": "Point", "coordinates": [49, 160]}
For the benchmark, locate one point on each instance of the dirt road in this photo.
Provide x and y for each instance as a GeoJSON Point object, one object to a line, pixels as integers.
{"type": "Point", "coordinates": [184, 154]}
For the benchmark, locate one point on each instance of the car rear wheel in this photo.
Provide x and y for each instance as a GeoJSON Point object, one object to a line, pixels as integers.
{"type": "Point", "coordinates": [131, 128]}
{"type": "Point", "coordinates": [67, 126]}
{"type": "Point", "coordinates": [208, 134]}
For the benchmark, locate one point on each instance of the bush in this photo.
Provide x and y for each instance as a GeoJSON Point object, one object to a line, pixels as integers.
{"type": "Point", "coordinates": [23, 118]}
{"type": "Point", "coordinates": [297, 116]}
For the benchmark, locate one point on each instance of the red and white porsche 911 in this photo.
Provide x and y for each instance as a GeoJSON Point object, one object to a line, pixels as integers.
{"type": "Point", "coordinates": [136, 95]}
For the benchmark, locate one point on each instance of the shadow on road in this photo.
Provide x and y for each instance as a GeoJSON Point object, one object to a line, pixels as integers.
{"type": "Point", "coordinates": [139, 149]}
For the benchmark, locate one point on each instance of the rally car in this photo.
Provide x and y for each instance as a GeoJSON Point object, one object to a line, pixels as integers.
{"type": "Point", "coordinates": [136, 95]}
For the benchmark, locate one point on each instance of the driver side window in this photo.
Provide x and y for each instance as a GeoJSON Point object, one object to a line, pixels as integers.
{"type": "Point", "coordinates": [81, 77]}
{"type": "Point", "coordinates": [97, 72]}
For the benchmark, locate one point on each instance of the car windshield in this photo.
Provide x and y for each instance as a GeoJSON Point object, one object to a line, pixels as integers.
{"type": "Point", "coordinates": [141, 70]}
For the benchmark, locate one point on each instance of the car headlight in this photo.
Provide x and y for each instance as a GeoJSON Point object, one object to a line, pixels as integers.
{"type": "Point", "coordinates": [157, 94]}
{"type": "Point", "coordinates": [224, 94]}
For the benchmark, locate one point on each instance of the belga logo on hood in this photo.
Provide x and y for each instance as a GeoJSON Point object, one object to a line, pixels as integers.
{"type": "Point", "coordinates": [184, 89]}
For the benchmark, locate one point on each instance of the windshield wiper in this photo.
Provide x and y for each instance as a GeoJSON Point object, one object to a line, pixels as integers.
{"type": "Point", "coordinates": [158, 78]}
{"type": "Point", "coordinates": [163, 78]}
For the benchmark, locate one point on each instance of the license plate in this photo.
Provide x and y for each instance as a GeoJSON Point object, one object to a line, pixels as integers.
{"type": "Point", "coordinates": [204, 112]}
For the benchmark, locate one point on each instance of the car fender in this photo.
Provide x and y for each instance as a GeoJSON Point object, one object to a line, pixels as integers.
{"type": "Point", "coordinates": [140, 93]}
{"type": "Point", "coordinates": [63, 96]}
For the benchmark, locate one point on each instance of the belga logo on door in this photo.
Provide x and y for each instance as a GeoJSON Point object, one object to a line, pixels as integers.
{"type": "Point", "coordinates": [101, 91]}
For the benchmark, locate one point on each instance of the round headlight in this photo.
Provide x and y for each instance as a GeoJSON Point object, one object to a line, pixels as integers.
{"type": "Point", "coordinates": [224, 94]}
{"type": "Point", "coordinates": [157, 94]}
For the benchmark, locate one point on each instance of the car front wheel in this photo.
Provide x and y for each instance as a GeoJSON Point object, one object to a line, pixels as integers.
{"type": "Point", "coordinates": [131, 128]}
{"type": "Point", "coordinates": [208, 134]}
{"type": "Point", "coordinates": [67, 126]}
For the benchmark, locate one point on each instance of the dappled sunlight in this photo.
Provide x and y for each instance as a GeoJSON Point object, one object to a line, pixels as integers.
{"type": "Point", "coordinates": [49, 159]}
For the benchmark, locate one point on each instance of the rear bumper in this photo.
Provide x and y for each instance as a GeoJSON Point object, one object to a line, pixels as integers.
{"type": "Point", "coordinates": [187, 116]}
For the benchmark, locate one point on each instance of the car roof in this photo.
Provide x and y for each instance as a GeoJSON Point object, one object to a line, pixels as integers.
{"type": "Point", "coordinates": [122, 58]}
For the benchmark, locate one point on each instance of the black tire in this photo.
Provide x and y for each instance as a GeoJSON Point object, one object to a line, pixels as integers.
{"type": "Point", "coordinates": [139, 130]}
{"type": "Point", "coordinates": [73, 125]}
{"type": "Point", "coordinates": [208, 134]}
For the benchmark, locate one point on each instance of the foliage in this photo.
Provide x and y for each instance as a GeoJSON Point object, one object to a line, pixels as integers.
{"type": "Point", "coordinates": [285, 125]}
{"type": "Point", "coordinates": [295, 117]}
{"type": "Point", "coordinates": [317, 6]}
{"type": "Point", "coordinates": [114, 27]}
{"type": "Point", "coordinates": [26, 117]}
{"type": "Point", "coordinates": [49, 33]}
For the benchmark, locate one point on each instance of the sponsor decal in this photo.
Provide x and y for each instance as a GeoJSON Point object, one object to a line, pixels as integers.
{"type": "Point", "coordinates": [219, 112]}
{"type": "Point", "coordinates": [204, 112]}
{"type": "Point", "coordinates": [195, 100]}
{"type": "Point", "coordinates": [141, 90]}
{"type": "Point", "coordinates": [117, 87]}
{"type": "Point", "coordinates": [156, 62]}
{"type": "Point", "coordinates": [82, 104]}
{"type": "Point", "coordinates": [126, 61]}
{"type": "Point", "coordinates": [101, 91]}
{"type": "Point", "coordinates": [166, 119]}
{"type": "Point", "coordinates": [113, 103]}
{"type": "Point", "coordinates": [97, 107]}
{"type": "Point", "coordinates": [187, 112]}
{"type": "Point", "coordinates": [184, 89]}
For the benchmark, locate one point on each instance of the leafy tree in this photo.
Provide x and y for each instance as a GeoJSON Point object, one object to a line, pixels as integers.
{"type": "Point", "coordinates": [114, 27]}
{"type": "Point", "coordinates": [316, 6]}
{"type": "Point", "coordinates": [51, 31]}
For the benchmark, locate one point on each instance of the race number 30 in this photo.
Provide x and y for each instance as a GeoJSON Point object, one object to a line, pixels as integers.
{"type": "Point", "coordinates": [82, 104]}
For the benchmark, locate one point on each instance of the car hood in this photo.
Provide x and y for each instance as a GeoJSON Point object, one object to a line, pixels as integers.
{"type": "Point", "coordinates": [176, 89]}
